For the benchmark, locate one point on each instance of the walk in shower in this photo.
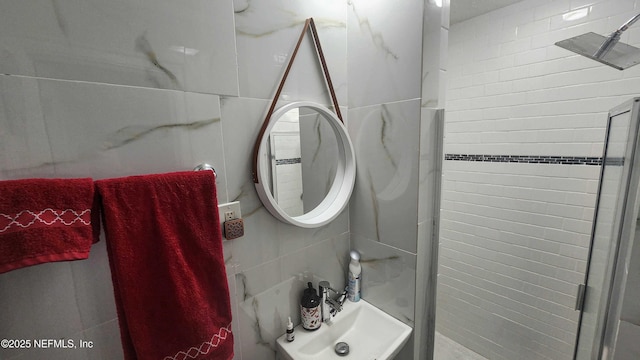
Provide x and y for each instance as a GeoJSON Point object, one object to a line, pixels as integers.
{"type": "Point", "coordinates": [525, 165]}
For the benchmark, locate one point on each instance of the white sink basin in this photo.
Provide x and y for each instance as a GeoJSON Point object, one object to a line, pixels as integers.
{"type": "Point", "coordinates": [370, 333]}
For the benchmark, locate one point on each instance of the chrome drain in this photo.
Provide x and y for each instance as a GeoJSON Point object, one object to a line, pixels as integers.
{"type": "Point", "coordinates": [342, 348]}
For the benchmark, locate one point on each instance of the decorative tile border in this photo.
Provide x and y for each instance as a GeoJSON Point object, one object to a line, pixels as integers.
{"type": "Point", "coordinates": [536, 159]}
{"type": "Point", "coordinates": [288, 161]}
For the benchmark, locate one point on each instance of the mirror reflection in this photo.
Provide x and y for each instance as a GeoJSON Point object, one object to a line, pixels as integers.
{"type": "Point", "coordinates": [303, 153]}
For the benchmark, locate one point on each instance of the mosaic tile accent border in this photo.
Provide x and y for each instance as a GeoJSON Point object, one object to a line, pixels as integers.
{"type": "Point", "coordinates": [536, 159]}
{"type": "Point", "coordinates": [288, 161]}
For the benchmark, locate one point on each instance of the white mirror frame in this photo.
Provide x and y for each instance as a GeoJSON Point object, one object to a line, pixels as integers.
{"type": "Point", "coordinates": [338, 196]}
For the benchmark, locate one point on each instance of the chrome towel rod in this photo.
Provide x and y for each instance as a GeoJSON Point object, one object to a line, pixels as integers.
{"type": "Point", "coordinates": [205, 166]}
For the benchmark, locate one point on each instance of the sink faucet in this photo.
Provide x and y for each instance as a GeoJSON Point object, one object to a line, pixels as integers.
{"type": "Point", "coordinates": [329, 306]}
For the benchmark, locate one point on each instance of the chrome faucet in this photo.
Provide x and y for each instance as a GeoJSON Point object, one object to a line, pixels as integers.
{"type": "Point", "coordinates": [329, 306]}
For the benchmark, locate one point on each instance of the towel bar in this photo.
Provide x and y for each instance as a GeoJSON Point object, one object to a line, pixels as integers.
{"type": "Point", "coordinates": [205, 166]}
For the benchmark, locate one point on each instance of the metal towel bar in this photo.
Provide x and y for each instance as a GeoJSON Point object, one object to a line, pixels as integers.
{"type": "Point", "coordinates": [205, 166]}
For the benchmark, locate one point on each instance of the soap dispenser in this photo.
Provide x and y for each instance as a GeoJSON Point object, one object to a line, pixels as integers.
{"type": "Point", "coordinates": [310, 312]}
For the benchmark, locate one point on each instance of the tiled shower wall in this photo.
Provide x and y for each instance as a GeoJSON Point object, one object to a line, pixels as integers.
{"type": "Point", "coordinates": [394, 132]}
{"type": "Point", "coordinates": [123, 88]}
{"type": "Point", "coordinates": [515, 231]}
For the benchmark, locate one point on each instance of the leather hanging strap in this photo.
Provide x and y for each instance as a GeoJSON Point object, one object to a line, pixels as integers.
{"type": "Point", "coordinates": [314, 34]}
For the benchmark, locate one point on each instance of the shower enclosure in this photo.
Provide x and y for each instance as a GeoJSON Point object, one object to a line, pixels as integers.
{"type": "Point", "coordinates": [614, 228]}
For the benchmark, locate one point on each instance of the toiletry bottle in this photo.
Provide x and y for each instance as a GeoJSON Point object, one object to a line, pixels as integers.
{"type": "Point", "coordinates": [310, 312]}
{"type": "Point", "coordinates": [355, 272]}
{"type": "Point", "coordinates": [290, 335]}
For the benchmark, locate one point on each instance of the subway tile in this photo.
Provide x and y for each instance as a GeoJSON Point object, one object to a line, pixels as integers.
{"type": "Point", "coordinates": [551, 8]}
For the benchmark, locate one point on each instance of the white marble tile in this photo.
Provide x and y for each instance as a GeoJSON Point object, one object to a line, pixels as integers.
{"type": "Point", "coordinates": [326, 260]}
{"type": "Point", "coordinates": [385, 47]}
{"type": "Point", "coordinates": [241, 121]}
{"type": "Point", "coordinates": [432, 60]}
{"type": "Point", "coordinates": [446, 13]}
{"type": "Point", "coordinates": [24, 147]}
{"type": "Point", "coordinates": [206, 139]}
{"type": "Point", "coordinates": [53, 353]}
{"type": "Point", "coordinates": [269, 293]}
{"type": "Point", "coordinates": [106, 341]}
{"type": "Point", "coordinates": [142, 43]}
{"type": "Point", "coordinates": [93, 287]}
{"type": "Point", "coordinates": [261, 319]}
{"type": "Point", "coordinates": [431, 133]}
{"type": "Point", "coordinates": [258, 279]}
{"type": "Point", "coordinates": [210, 49]}
{"type": "Point", "coordinates": [108, 131]}
{"type": "Point", "coordinates": [384, 204]}
{"type": "Point", "coordinates": [235, 323]}
{"type": "Point", "coordinates": [292, 238]}
{"type": "Point", "coordinates": [426, 283]}
{"type": "Point", "coordinates": [388, 277]}
{"type": "Point", "coordinates": [39, 302]}
{"type": "Point", "coordinates": [266, 34]}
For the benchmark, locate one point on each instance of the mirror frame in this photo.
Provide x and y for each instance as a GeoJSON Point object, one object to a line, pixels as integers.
{"type": "Point", "coordinates": [340, 192]}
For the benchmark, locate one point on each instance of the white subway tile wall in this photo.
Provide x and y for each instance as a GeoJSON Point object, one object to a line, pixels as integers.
{"type": "Point", "coordinates": [514, 236]}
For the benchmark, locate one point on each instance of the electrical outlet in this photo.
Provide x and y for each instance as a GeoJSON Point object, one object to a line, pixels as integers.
{"type": "Point", "coordinates": [229, 211]}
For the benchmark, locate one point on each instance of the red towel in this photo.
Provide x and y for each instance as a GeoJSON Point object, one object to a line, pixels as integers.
{"type": "Point", "coordinates": [168, 271]}
{"type": "Point", "coordinates": [44, 220]}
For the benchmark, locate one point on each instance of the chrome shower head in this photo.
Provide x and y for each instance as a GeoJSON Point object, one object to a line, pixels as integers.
{"type": "Point", "coordinates": [607, 50]}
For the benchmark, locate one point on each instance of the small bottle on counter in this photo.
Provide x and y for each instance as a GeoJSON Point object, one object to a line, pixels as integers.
{"type": "Point", "coordinates": [290, 335]}
{"type": "Point", "coordinates": [355, 273]}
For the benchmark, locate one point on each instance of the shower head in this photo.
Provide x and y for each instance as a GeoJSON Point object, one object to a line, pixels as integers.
{"type": "Point", "coordinates": [607, 50]}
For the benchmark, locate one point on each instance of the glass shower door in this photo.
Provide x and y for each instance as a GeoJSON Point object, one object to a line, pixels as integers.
{"type": "Point", "coordinates": [613, 226]}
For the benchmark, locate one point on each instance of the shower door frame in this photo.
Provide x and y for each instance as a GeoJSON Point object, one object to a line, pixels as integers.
{"type": "Point", "coordinates": [615, 277]}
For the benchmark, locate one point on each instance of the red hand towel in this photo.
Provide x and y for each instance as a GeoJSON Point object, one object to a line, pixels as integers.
{"type": "Point", "coordinates": [168, 271]}
{"type": "Point", "coordinates": [44, 220]}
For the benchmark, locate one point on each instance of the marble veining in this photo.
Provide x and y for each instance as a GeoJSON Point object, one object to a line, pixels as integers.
{"type": "Point", "coordinates": [384, 137]}
{"type": "Point", "coordinates": [143, 45]}
{"type": "Point", "coordinates": [376, 37]}
{"type": "Point", "coordinates": [386, 142]}
{"type": "Point", "coordinates": [375, 207]}
{"type": "Point", "coordinates": [127, 134]}
{"type": "Point", "coordinates": [377, 261]}
{"type": "Point", "coordinates": [388, 277]}
{"type": "Point", "coordinates": [62, 23]}
{"type": "Point", "coordinates": [242, 277]}
{"type": "Point", "coordinates": [316, 151]}
{"type": "Point", "coordinates": [248, 199]}
{"type": "Point", "coordinates": [282, 19]}
{"type": "Point", "coordinates": [256, 312]}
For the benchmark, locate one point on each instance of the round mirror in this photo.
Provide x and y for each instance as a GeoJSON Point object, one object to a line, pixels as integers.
{"type": "Point", "coordinates": [305, 165]}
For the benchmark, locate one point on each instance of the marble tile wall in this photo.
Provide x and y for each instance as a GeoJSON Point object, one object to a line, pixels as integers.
{"type": "Point", "coordinates": [108, 89]}
{"type": "Point", "coordinates": [391, 211]}
{"type": "Point", "coordinates": [135, 87]}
